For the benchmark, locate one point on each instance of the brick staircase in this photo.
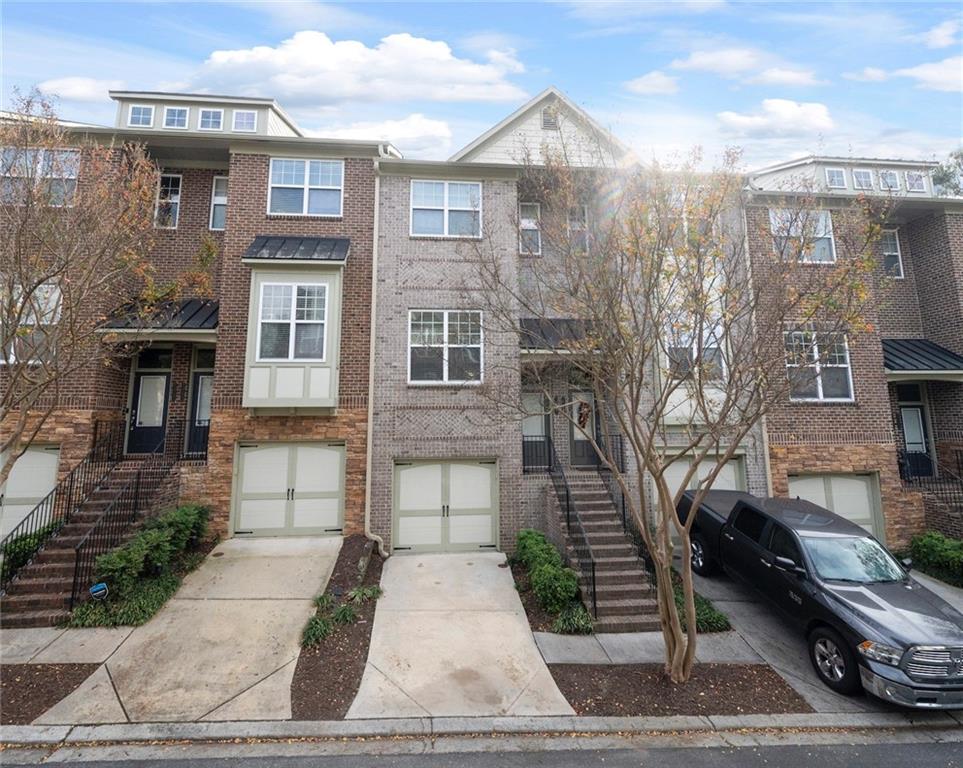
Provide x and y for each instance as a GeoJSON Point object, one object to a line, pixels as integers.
{"type": "Point", "coordinates": [626, 601]}
{"type": "Point", "coordinates": [39, 596]}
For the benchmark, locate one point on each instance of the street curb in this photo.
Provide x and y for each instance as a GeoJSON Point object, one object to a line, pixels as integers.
{"type": "Point", "coordinates": [53, 735]}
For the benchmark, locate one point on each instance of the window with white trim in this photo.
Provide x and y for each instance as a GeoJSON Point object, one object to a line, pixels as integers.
{"type": "Point", "coordinates": [54, 171]}
{"type": "Point", "coordinates": [210, 119]}
{"type": "Point", "coordinates": [578, 227]}
{"type": "Point", "coordinates": [809, 233]}
{"type": "Point", "coordinates": [817, 364]}
{"type": "Point", "coordinates": [218, 202]}
{"type": "Point", "coordinates": [446, 208]}
{"type": "Point", "coordinates": [444, 346]}
{"type": "Point", "coordinates": [140, 116]}
{"type": "Point", "coordinates": [836, 178]}
{"type": "Point", "coordinates": [915, 181]}
{"type": "Point", "coordinates": [168, 201]}
{"type": "Point", "coordinates": [29, 341]}
{"type": "Point", "coordinates": [888, 181]}
{"type": "Point", "coordinates": [306, 187]}
{"type": "Point", "coordinates": [529, 230]}
{"type": "Point", "coordinates": [175, 117]}
{"type": "Point", "coordinates": [245, 120]}
{"type": "Point", "coordinates": [687, 360]}
{"type": "Point", "coordinates": [892, 258]}
{"type": "Point", "coordinates": [862, 178]}
{"type": "Point", "coordinates": [291, 321]}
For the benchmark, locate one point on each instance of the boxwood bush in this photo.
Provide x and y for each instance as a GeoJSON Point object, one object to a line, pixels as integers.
{"type": "Point", "coordinates": [554, 586]}
{"type": "Point", "coordinates": [533, 549]}
{"type": "Point", "coordinates": [939, 556]}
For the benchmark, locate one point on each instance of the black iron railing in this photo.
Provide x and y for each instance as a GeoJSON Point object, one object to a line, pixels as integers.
{"type": "Point", "coordinates": [124, 510]}
{"type": "Point", "coordinates": [945, 487]}
{"type": "Point", "coordinates": [614, 449]}
{"type": "Point", "coordinates": [18, 548]}
{"type": "Point", "coordinates": [536, 453]}
{"type": "Point", "coordinates": [576, 531]}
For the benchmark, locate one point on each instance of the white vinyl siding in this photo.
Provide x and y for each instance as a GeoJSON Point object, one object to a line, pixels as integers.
{"type": "Point", "coordinates": [790, 228]}
{"type": "Point", "coordinates": [818, 366]}
{"type": "Point", "coordinates": [218, 203]}
{"type": "Point", "coordinates": [306, 187]}
{"type": "Point", "coordinates": [892, 258]}
{"type": "Point", "coordinates": [168, 207]}
{"type": "Point", "coordinates": [445, 347]}
{"type": "Point", "coordinates": [292, 321]}
{"type": "Point", "coordinates": [446, 209]}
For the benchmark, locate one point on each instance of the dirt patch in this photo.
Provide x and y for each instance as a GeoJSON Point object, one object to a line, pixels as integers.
{"type": "Point", "coordinates": [29, 690]}
{"type": "Point", "coordinates": [328, 675]}
{"type": "Point", "coordinates": [641, 690]}
{"type": "Point", "coordinates": [539, 619]}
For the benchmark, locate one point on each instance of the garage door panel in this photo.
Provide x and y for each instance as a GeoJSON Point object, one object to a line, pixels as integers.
{"type": "Point", "coordinates": [318, 469]}
{"type": "Point", "coordinates": [33, 476]}
{"type": "Point", "coordinates": [420, 531]}
{"type": "Point", "coordinates": [264, 469]}
{"type": "Point", "coordinates": [470, 486]}
{"type": "Point", "coordinates": [851, 496]}
{"type": "Point", "coordinates": [317, 513]}
{"type": "Point", "coordinates": [728, 479]}
{"type": "Point", "coordinates": [261, 513]}
{"type": "Point", "coordinates": [470, 529]}
{"type": "Point", "coordinates": [419, 487]}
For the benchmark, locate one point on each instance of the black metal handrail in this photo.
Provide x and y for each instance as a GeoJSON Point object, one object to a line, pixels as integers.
{"type": "Point", "coordinates": [536, 456]}
{"type": "Point", "coordinates": [614, 449]}
{"type": "Point", "coordinates": [946, 486]}
{"type": "Point", "coordinates": [54, 511]}
{"type": "Point", "coordinates": [124, 509]}
{"type": "Point", "coordinates": [573, 522]}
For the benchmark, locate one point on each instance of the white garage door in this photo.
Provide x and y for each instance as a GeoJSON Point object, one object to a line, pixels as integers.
{"type": "Point", "coordinates": [445, 506]}
{"type": "Point", "coordinates": [289, 489]}
{"type": "Point", "coordinates": [854, 497]}
{"type": "Point", "coordinates": [34, 475]}
{"type": "Point", "coordinates": [730, 478]}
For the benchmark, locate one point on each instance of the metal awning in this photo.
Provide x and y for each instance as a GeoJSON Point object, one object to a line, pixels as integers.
{"type": "Point", "coordinates": [194, 319]}
{"type": "Point", "coordinates": [920, 359]}
{"type": "Point", "coordinates": [538, 334]}
{"type": "Point", "coordinates": [293, 249]}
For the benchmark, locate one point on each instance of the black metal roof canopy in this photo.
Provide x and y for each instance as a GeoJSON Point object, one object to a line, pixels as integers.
{"type": "Point", "coordinates": [919, 356]}
{"type": "Point", "coordinates": [277, 248]}
{"type": "Point", "coordinates": [183, 315]}
{"type": "Point", "coordinates": [544, 333]}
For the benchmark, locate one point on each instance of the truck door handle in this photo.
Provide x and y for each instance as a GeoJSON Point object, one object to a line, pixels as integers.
{"type": "Point", "coordinates": [728, 536]}
{"type": "Point", "coordinates": [765, 562]}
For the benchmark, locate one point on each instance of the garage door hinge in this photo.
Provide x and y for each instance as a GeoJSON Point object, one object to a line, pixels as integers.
{"type": "Point", "coordinates": [242, 533]}
{"type": "Point", "coordinates": [487, 462]}
{"type": "Point", "coordinates": [486, 546]}
{"type": "Point", "coordinates": [247, 445]}
{"type": "Point", "coordinates": [397, 548]}
{"type": "Point", "coordinates": [402, 463]}
{"type": "Point", "coordinates": [333, 530]}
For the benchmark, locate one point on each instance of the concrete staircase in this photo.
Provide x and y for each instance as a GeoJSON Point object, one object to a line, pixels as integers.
{"type": "Point", "coordinates": [40, 594]}
{"type": "Point", "coordinates": [626, 601]}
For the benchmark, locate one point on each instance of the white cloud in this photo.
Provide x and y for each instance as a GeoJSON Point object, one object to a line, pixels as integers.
{"type": "Point", "coordinates": [86, 89]}
{"type": "Point", "coordinates": [779, 117]}
{"type": "Point", "coordinates": [652, 84]}
{"type": "Point", "coordinates": [867, 75]}
{"type": "Point", "coordinates": [311, 68]}
{"type": "Point", "coordinates": [946, 75]}
{"type": "Point", "coordinates": [291, 15]}
{"type": "Point", "coordinates": [785, 76]}
{"type": "Point", "coordinates": [727, 62]}
{"type": "Point", "coordinates": [941, 36]}
{"type": "Point", "coordinates": [415, 134]}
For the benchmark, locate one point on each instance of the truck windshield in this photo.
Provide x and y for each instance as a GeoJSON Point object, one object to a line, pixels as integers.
{"type": "Point", "coordinates": [853, 559]}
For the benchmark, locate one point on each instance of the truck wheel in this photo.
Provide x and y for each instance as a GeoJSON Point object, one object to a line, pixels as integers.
{"type": "Point", "coordinates": [833, 661]}
{"type": "Point", "coordinates": [699, 555]}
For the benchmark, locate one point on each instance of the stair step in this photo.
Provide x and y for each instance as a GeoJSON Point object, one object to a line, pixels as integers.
{"type": "Point", "coordinates": [619, 577]}
{"type": "Point", "coordinates": [40, 570]}
{"type": "Point", "coordinates": [37, 618]}
{"type": "Point", "coordinates": [625, 590]}
{"type": "Point", "coordinates": [619, 563]}
{"type": "Point", "coordinates": [33, 602]}
{"type": "Point", "coordinates": [625, 607]}
{"type": "Point", "coordinates": [627, 624]}
{"type": "Point", "coordinates": [31, 584]}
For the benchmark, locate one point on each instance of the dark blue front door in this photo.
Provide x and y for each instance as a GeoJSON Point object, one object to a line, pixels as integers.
{"type": "Point", "coordinates": [148, 413]}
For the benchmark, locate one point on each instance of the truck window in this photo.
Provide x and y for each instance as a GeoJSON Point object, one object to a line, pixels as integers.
{"type": "Point", "coordinates": [750, 523]}
{"type": "Point", "coordinates": [782, 544]}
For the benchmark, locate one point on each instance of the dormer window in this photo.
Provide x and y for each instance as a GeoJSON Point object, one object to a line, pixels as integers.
{"type": "Point", "coordinates": [550, 119]}
{"type": "Point", "coordinates": [140, 116]}
{"type": "Point", "coordinates": [245, 120]}
{"type": "Point", "coordinates": [889, 181]}
{"type": "Point", "coordinates": [836, 178]}
{"type": "Point", "coordinates": [175, 117]}
{"type": "Point", "coordinates": [915, 181]}
{"type": "Point", "coordinates": [862, 179]}
{"type": "Point", "coordinates": [210, 120]}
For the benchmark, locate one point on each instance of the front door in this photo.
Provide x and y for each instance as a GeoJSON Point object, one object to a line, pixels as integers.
{"type": "Point", "coordinates": [583, 426]}
{"type": "Point", "coordinates": [148, 414]}
{"type": "Point", "coordinates": [914, 437]}
{"type": "Point", "coordinates": [200, 422]}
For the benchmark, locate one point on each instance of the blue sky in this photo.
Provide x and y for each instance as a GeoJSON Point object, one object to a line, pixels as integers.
{"type": "Point", "coordinates": [778, 79]}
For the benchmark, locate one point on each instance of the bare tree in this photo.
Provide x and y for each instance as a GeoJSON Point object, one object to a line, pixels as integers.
{"type": "Point", "coordinates": [645, 295]}
{"type": "Point", "coordinates": [76, 228]}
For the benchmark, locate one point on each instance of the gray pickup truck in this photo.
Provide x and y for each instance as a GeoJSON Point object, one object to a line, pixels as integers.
{"type": "Point", "coordinates": [869, 625]}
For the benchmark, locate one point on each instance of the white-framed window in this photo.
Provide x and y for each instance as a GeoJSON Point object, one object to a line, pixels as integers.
{"type": "Point", "coordinates": [578, 227]}
{"type": "Point", "coordinates": [30, 341]}
{"type": "Point", "coordinates": [140, 116]}
{"type": "Point", "coordinates": [292, 318]}
{"type": "Point", "coordinates": [446, 208]}
{"type": "Point", "coordinates": [836, 178]}
{"type": "Point", "coordinates": [529, 229]}
{"type": "Point", "coordinates": [245, 120]}
{"type": "Point", "coordinates": [892, 258]}
{"type": "Point", "coordinates": [889, 181]}
{"type": "Point", "coordinates": [817, 364]}
{"type": "Point", "coordinates": [53, 170]}
{"type": "Point", "coordinates": [682, 359]}
{"type": "Point", "coordinates": [176, 117]}
{"type": "Point", "coordinates": [218, 202]}
{"type": "Point", "coordinates": [793, 229]}
{"type": "Point", "coordinates": [210, 119]}
{"type": "Point", "coordinates": [862, 178]}
{"type": "Point", "coordinates": [306, 187]}
{"type": "Point", "coordinates": [445, 346]}
{"type": "Point", "coordinates": [168, 201]}
{"type": "Point", "coordinates": [915, 181]}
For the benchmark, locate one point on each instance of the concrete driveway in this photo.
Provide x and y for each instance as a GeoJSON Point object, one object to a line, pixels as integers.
{"type": "Point", "coordinates": [451, 638]}
{"type": "Point", "coordinates": [223, 648]}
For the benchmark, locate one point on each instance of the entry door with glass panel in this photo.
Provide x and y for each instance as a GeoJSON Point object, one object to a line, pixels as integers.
{"type": "Point", "coordinates": [912, 414]}
{"type": "Point", "coordinates": [202, 388]}
{"type": "Point", "coordinates": [583, 425]}
{"type": "Point", "coordinates": [535, 445]}
{"type": "Point", "coordinates": [148, 407]}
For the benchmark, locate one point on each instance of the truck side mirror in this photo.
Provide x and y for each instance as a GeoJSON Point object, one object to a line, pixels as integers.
{"type": "Point", "coordinates": [789, 565]}
{"type": "Point", "coordinates": [908, 563]}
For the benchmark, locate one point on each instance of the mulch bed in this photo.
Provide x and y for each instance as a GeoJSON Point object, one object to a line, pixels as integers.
{"type": "Point", "coordinates": [328, 675]}
{"type": "Point", "coordinates": [539, 619]}
{"type": "Point", "coordinates": [641, 690]}
{"type": "Point", "coordinates": [29, 690]}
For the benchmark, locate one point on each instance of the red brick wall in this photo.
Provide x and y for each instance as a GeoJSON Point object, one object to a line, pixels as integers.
{"type": "Point", "coordinates": [938, 256]}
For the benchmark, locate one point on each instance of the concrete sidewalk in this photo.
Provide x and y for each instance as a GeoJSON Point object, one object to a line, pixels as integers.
{"type": "Point", "coordinates": [639, 648]}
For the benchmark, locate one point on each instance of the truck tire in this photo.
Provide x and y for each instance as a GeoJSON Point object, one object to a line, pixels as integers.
{"type": "Point", "coordinates": [699, 556]}
{"type": "Point", "coordinates": [834, 661]}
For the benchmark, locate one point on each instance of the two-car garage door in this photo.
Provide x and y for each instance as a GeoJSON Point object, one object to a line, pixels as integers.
{"type": "Point", "coordinates": [445, 506]}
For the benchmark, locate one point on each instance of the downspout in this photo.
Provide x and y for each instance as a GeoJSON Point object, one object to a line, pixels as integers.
{"type": "Point", "coordinates": [371, 365]}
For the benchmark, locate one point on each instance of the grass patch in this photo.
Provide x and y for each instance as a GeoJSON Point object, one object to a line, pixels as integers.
{"type": "Point", "coordinates": [708, 618]}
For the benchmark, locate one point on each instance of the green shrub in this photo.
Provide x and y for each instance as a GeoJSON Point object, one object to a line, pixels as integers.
{"type": "Point", "coordinates": [121, 568]}
{"type": "Point", "coordinates": [708, 617]}
{"type": "Point", "coordinates": [317, 628]}
{"type": "Point", "coordinates": [141, 602]}
{"type": "Point", "coordinates": [533, 550]}
{"type": "Point", "coordinates": [554, 587]}
{"type": "Point", "coordinates": [939, 556]}
{"type": "Point", "coordinates": [17, 552]}
{"type": "Point", "coordinates": [573, 620]}
{"type": "Point", "coordinates": [158, 549]}
{"type": "Point", "coordinates": [324, 602]}
{"type": "Point", "coordinates": [345, 614]}
{"type": "Point", "coordinates": [360, 595]}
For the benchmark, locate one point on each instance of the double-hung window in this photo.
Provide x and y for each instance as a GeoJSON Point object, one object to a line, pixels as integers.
{"type": "Point", "coordinates": [175, 117]}
{"type": "Point", "coordinates": [30, 341]}
{"type": "Point", "coordinates": [219, 202]}
{"type": "Point", "coordinates": [578, 227]}
{"type": "Point", "coordinates": [306, 187]}
{"type": "Point", "coordinates": [444, 346]}
{"type": "Point", "coordinates": [168, 201]}
{"type": "Point", "coordinates": [685, 358]}
{"type": "Point", "coordinates": [889, 181]}
{"type": "Point", "coordinates": [806, 233]}
{"type": "Point", "coordinates": [140, 116]}
{"type": "Point", "coordinates": [862, 178]}
{"type": "Point", "coordinates": [446, 208]}
{"type": "Point", "coordinates": [836, 178]}
{"type": "Point", "coordinates": [291, 321]}
{"type": "Point", "coordinates": [245, 120]}
{"type": "Point", "coordinates": [210, 119]}
{"type": "Point", "coordinates": [53, 171]}
{"type": "Point", "coordinates": [529, 231]}
{"type": "Point", "coordinates": [915, 181]}
{"type": "Point", "coordinates": [892, 259]}
{"type": "Point", "coordinates": [817, 364]}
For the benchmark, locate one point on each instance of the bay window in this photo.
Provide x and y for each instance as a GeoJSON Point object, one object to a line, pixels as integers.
{"type": "Point", "coordinates": [291, 321]}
